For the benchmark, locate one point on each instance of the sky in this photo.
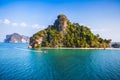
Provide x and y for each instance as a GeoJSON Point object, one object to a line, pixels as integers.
{"type": "Point", "coordinates": [27, 17]}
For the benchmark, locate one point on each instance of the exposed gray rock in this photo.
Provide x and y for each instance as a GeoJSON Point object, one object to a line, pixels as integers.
{"type": "Point", "coordinates": [36, 41]}
{"type": "Point", "coordinates": [61, 23]}
{"type": "Point", "coordinates": [16, 38]}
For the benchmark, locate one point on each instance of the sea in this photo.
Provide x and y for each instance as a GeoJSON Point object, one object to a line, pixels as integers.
{"type": "Point", "coordinates": [17, 62]}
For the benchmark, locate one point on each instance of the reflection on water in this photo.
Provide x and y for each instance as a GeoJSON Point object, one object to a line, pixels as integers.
{"type": "Point", "coordinates": [18, 63]}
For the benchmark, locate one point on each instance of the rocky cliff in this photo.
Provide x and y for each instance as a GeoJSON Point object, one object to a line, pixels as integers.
{"type": "Point", "coordinates": [61, 23]}
{"type": "Point", "coordinates": [16, 38]}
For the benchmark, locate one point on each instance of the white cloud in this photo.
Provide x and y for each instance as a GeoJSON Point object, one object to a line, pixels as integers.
{"type": "Point", "coordinates": [0, 20]}
{"type": "Point", "coordinates": [36, 26]}
{"type": "Point", "coordinates": [23, 24]}
{"type": "Point", "coordinates": [14, 24]}
{"type": "Point", "coordinates": [6, 21]}
{"type": "Point", "coordinates": [98, 30]}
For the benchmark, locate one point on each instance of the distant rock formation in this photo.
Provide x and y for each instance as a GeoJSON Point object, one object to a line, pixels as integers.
{"type": "Point", "coordinates": [116, 45]}
{"type": "Point", "coordinates": [16, 38]}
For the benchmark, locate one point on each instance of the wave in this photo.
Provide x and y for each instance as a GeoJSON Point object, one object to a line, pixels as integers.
{"type": "Point", "coordinates": [30, 50]}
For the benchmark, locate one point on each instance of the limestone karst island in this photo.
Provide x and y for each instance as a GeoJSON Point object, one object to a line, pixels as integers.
{"type": "Point", "coordinates": [16, 38]}
{"type": "Point", "coordinates": [63, 33]}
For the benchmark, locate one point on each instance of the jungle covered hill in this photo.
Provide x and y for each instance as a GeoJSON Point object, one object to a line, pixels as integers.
{"type": "Point", "coordinates": [63, 33]}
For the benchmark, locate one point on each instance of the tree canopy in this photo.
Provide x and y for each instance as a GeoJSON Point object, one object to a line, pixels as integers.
{"type": "Point", "coordinates": [75, 35]}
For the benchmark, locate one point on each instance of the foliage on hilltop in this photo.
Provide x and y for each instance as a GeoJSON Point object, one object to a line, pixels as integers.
{"type": "Point", "coordinates": [66, 34]}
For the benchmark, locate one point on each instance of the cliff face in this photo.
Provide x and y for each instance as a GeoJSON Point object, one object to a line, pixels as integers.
{"type": "Point", "coordinates": [16, 38]}
{"type": "Point", "coordinates": [63, 33]}
{"type": "Point", "coordinates": [61, 23]}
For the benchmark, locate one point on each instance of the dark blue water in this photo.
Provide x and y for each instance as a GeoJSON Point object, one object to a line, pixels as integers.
{"type": "Point", "coordinates": [19, 63]}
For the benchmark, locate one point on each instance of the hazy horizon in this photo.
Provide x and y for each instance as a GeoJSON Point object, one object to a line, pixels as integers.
{"type": "Point", "coordinates": [27, 17]}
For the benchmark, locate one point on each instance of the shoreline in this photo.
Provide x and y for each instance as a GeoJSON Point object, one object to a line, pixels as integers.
{"type": "Point", "coordinates": [84, 48]}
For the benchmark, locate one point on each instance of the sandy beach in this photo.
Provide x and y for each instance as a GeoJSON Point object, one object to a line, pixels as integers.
{"type": "Point", "coordinates": [84, 48]}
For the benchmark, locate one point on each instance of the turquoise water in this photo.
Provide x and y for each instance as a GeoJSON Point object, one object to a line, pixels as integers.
{"type": "Point", "coordinates": [19, 63]}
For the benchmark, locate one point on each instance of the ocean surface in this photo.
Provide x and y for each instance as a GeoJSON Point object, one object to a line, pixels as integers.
{"type": "Point", "coordinates": [17, 62]}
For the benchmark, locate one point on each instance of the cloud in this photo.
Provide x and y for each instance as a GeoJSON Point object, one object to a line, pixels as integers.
{"type": "Point", "coordinates": [6, 21]}
{"type": "Point", "coordinates": [98, 30]}
{"type": "Point", "coordinates": [14, 24]}
{"type": "Point", "coordinates": [36, 26]}
{"type": "Point", "coordinates": [23, 24]}
{"type": "Point", "coordinates": [0, 20]}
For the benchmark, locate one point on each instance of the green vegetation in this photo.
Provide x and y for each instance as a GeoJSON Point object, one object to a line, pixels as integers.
{"type": "Point", "coordinates": [74, 35]}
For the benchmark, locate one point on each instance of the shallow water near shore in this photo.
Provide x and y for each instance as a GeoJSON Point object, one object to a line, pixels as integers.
{"type": "Point", "coordinates": [17, 62]}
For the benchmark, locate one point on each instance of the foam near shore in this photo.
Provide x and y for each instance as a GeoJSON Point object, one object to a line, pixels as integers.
{"type": "Point", "coordinates": [84, 48]}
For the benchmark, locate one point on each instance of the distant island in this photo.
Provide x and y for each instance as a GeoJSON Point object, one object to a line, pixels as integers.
{"type": "Point", "coordinates": [65, 34]}
{"type": "Point", "coordinates": [115, 45]}
{"type": "Point", "coordinates": [16, 38]}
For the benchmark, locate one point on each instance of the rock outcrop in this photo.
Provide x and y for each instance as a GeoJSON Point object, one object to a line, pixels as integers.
{"type": "Point", "coordinates": [35, 42]}
{"type": "Point", "coordinates": [116, 45]}
{"type": "Point", "coordinates": [61, 23]}
{"type": "Point", "coordinates": [16, 38]}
